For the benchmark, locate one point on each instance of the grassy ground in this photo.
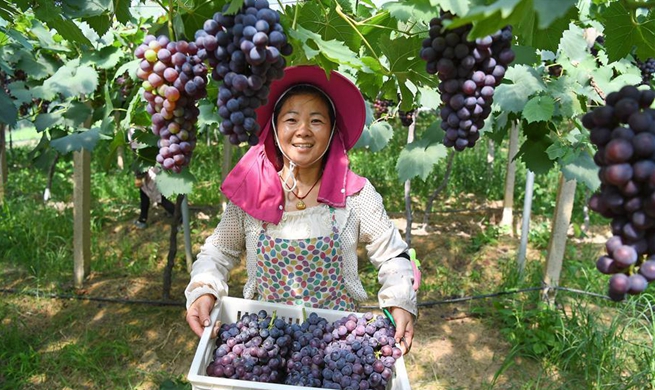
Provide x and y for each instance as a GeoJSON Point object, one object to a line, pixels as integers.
{"type": "Point", "coordinates": [118, 333]}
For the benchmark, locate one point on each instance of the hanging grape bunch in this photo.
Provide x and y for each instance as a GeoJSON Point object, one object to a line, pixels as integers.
{"type": "Point", "coordinates": [352, 352]}
{"type": "Point", "coordinates": [174, 79]}
{"type": "Point", "coordinates": [406, 117]}
{"type": "Point", "coordinates": [647, 70]}
{"type": "Point", "coordinates": [245, 52]}
{"type": "Point", "coordinates": [381, 107]}
{"type": "Point", "coordinates": [468, 74]}
{"type": "Point", "coordinates": [624, 132]}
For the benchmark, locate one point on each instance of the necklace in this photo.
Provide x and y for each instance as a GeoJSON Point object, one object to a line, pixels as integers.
{"type": "Point", "coordinates": [300, 205]}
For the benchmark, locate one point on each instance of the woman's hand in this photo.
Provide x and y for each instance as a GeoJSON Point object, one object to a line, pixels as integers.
{"type": "Point", "coordinates": [198, 315]}
{"type": "Point", "coordinates": [404, 328]}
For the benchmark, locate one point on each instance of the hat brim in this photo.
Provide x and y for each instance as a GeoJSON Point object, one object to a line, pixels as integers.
{"type": "Point", "coordinates": [348, 100]}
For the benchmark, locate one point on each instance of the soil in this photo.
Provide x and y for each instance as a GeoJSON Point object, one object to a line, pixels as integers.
{"type": "Point", "coordinates": [453, 348]}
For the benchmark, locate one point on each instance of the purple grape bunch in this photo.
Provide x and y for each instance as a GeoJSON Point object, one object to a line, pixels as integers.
{"type": "Point", "coordinates": [245, 52]}
{"type": "Point", "coordinates": [350, 353]}
{"type": "Point", "coordinates": [468, 74]}
{"type": "Point", "coordinates": [647, 69]}
{"type": "Point", "coordinates": [623, 131]}
{"type": "Point", "coordinates": [174, 79]}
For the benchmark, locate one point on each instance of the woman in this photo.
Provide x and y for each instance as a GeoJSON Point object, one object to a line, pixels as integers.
{"type": "Point", "coordinates": [298, 212]}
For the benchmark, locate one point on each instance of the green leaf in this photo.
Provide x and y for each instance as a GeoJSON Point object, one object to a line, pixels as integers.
{"type": "Point", "coordinates": [100, 23]}
{"type": "Point", "coordinates": [69, 31]}
{"type": "Point", "coordinates": [77, 141]}
{"type": "Point", "coordinates": [429, 98]}
{"type": "Point", "coordinates": [45, 121]}
{"type": "Point", "coordinates": [235, 5]}
{"type": "Point", "coordinates": [524, 82]}
{"type": "Point", "coordinates": [18, 37]}
{"type": "Point", "coordinates": [415, 11]}
{"type": "Point", "coordinates": [79, 9]}
{"type": "Point", "coordinates": [376, 136]}
{"type": "Point", "coordinates": [525, 55]}
{"type": "Point", "coordinates": [330, 26]}
{"type": "Point", "coordinates": [171, 184]}
{"type": "Point", "coordinates": [106, 58]}
{"type": "Point", "coordinates": [548, 38]}
{"type": "Point", "coordinates": [20, 92]}
{"type": "Point", "coordinates": [7, 10]}
{"type": "Point", "coordinates": [573, 44]}
{"type": "Point", "coordinates": [418, 159]}
{"type": "Point", "coordinates": [533, 154]}
{"type": "Point", "coordinates": [77, 113]}
{"type": "Point", "coordinates": [208, 114]}
{"type": "Point", "coordinates": [72, 80]}
{"type": "Point", "coordinates": [538, 109]}
{"type": "Point", "coordinates": [333, 50]}
{"type": "Point", "coordinates": [584, 170]}
{"type": "Point", "coordinates": [623, 32]}
{"type": "Point", "coordinates": [565, 91]}
{"type": "Point", "coordinates": [38, 69]}
{"type": "Point", "coordinates": [122, 11]}
{"type": "Point", "coordinates": [455, 7]}
{"type": "Point", "coordinates": [129, 67]}
{"type": "Point", "coordinates": [551, 10]}
{"type": "Point", "coordinates": [8, 111]}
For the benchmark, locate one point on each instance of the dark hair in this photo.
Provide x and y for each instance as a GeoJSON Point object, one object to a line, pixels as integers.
{"type": "Point", "coordinates": [305, 89]}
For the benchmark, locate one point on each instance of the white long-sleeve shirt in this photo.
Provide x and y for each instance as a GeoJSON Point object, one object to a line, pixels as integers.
{"type": "Point", "coordinates": [364, 219]}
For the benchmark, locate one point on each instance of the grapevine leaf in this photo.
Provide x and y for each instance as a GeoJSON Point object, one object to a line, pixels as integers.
{"type": "Point", "coordinates": [533, 154]}
{"type": "Point", "coordinates": [129, 67]}
{"type": "Point", "coordinates": [37, 69]}
{"type": "Point", "coordinates": [8, 111]}
{"type": "Point", "coordinates": [208, 114]}
{"type": "Point", "coordinates": [122, 11]}
{"type": "Point", "coordinates": [80, 9]}
{"type": "Point", "coordinates": [539, 108]}
{"type": "Point", "coordinates": [573, 45]}
{"type": "Point", "coordinates": [333, 49]}
{"type": "Point", "coordinates": [20, 92]}
{"type": "Point", "coordinates": [46, 10]}
{"type": "Point", "coordinates": [100, 23]}
{"type": "Point", "coordinates": [525, 55]}
{"type": "Point", "coordinates": [551, 10]}
{"type": "Point", "coordinates": [172, 184]}
{"type": "Point", "coordinates": [77, 141]}
{"type": "Point", "coordinates": [69, 30]}
{"type": "Point", "coordinates": [564, 90]}
{"type": "Point", "coordinates": [330, 26]}
{"type": "Point", "coordinates": [235, 6]}
{"type": "Point", "coordinates": [45, 121]}
{"type": "Point", "coordinates": [418, 159]}
{"type": "Point", "coordinates": [583, 169]}
{"type": "Point", "coordinates": [18, 37]}
{"type": "Point", "coordinates": [44, 36]}
{"type": "Point", "coordinates": [7, 10]}
{"type": "Point", "coordinates": [548, 38]}
{"type": "Point", "coordinates": [415, 10]}
{"type": "Point", "coordinates": [77, 113]}
{"type": "Point", "coordinates": [405, 63]}
{"type": "Point", "coordinates": [524, 82]}
{"type": "Point", "coordinates": [623, 33]}
{"type": "Point", "coordinates": [429, 98]}
{"type": "Point", "coordinates": [376, 136]}
{"type": "Point", "coordinates": [606, 83]}
{"type": "Point", "coordinates": [106, 58]}
{"type": "Point", "coordinates": [73, 80]}
{"type": "Point", "coordinates": [455, 7]}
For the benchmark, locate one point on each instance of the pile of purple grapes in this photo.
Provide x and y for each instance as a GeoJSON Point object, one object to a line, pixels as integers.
{"type": "Point", "coordinates": [174, 79]}
{"type": "Point", "coordinates": [468, 75]}
{"type": "Point", "coordinates": [245, 52]}
{"type": "Point", "coordinates": [624, 132]}
{"type": "Point", "coordinates": [355, 353]}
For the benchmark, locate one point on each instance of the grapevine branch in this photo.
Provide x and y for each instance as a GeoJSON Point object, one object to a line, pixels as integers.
{"type": "Point", "coordinates": [350, 22]}
{"type": "Point", "coordinates": [596, 88]}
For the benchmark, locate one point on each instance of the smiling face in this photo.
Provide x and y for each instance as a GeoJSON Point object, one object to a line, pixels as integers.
{"type": "Point", "coordinates": [303, 126]}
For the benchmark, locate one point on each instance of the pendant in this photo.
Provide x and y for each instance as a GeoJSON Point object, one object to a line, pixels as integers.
{"type": "Point", "coordinates": [300, 205]}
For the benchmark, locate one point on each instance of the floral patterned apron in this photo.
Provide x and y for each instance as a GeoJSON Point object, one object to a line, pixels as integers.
{"type": "Point", "coordinates": [302, 272]}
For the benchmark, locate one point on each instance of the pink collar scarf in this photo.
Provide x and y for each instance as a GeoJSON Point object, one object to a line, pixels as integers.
{"type": "Point", "coordinates": [253, 184]}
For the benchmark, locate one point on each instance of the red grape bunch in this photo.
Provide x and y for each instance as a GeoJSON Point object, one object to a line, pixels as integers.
{"type": "Point", "coordinates": [647, 69]}
{"type": "Point", "coordinates": [174, 79]}
{"type": "Point", "coordinates": [381, 107]}
{"type": "Point", "coordinates": [624, 132]}
{"type": "Point", "coordinates": [245, 52]}
{"type": "Point", "coordinates": [468, 74]}
{"type": "Point", "coordinates": [350, 353]}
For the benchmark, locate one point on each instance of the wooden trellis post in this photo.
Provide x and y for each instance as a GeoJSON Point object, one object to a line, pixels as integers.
{"type": "Point", "coordinates": [558, 236]}
{"type": "Point", "coordinates": [4, 172]}
{"type": "Point", "coordinates": [81, 215]}
{"type": "Point", "coordinates": [510, 178]}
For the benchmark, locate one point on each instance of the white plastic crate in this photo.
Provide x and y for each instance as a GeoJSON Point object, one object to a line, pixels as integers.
{"type": "Point", "coordinates": [230, 310]}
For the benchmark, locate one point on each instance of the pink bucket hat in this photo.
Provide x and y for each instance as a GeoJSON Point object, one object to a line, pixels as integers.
{"type": "Point", "coordinates": [254, 185]}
